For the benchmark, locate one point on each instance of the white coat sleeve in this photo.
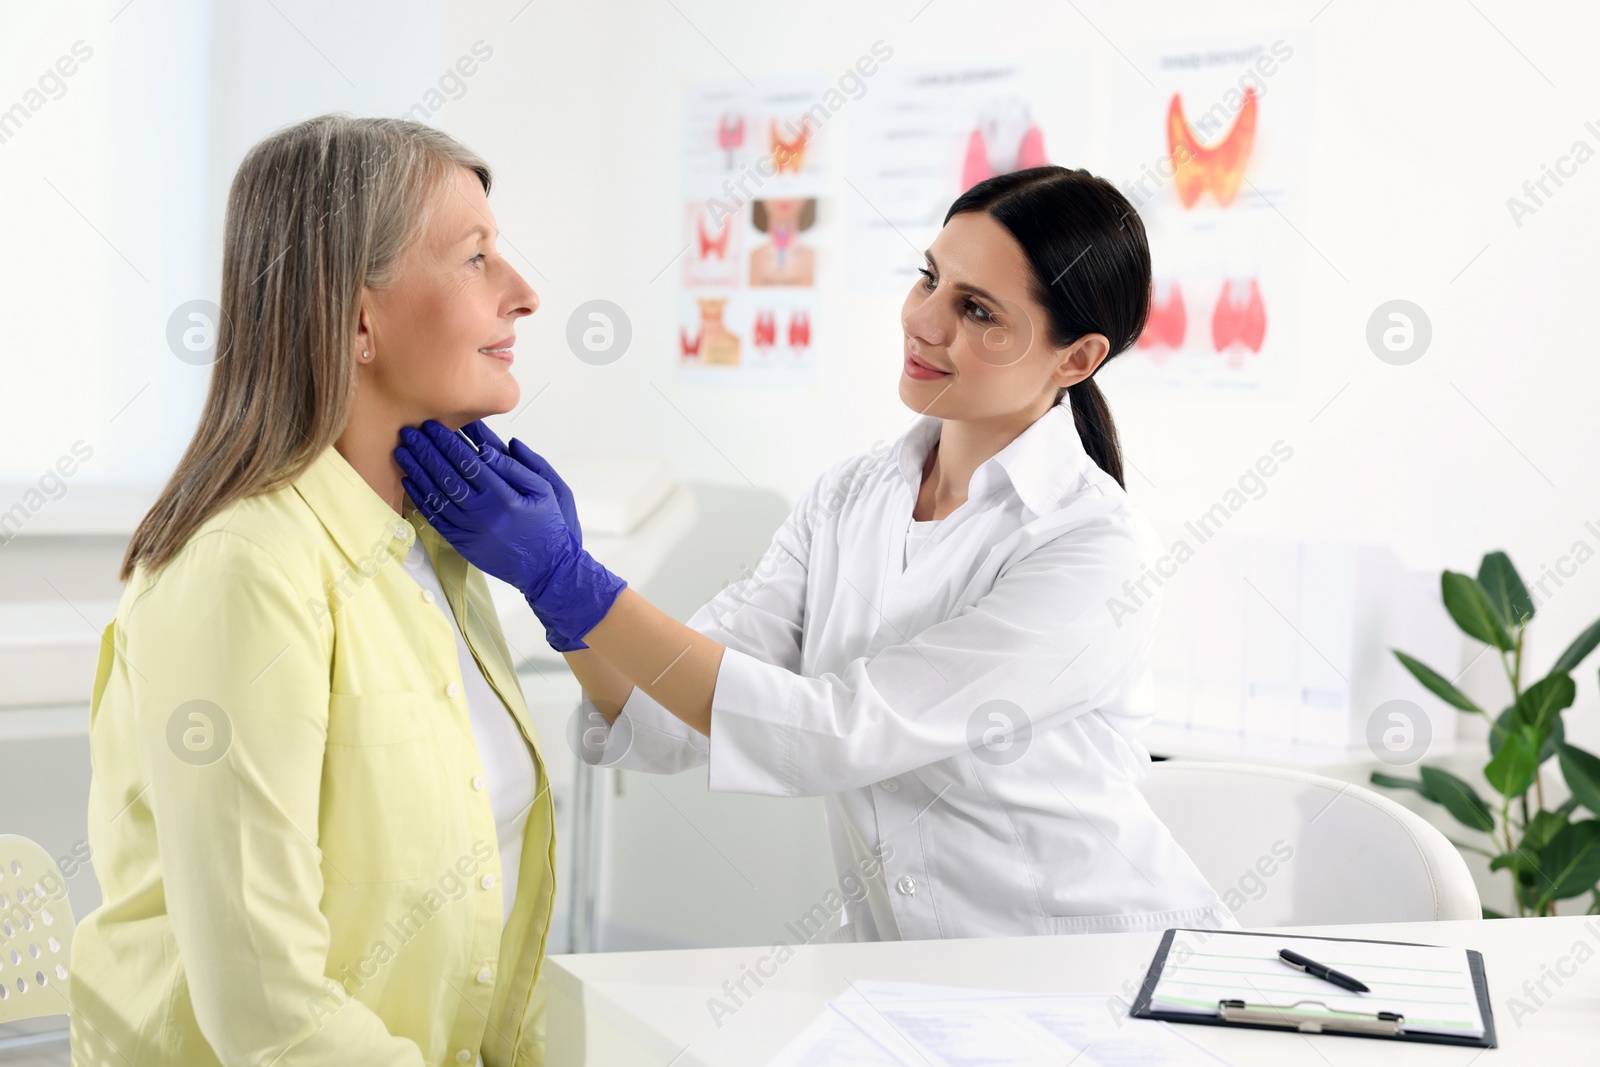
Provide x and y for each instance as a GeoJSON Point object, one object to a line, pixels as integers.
{"type": "Point", "coordinates": [1044, 638]}
{"type": "Point", "coordinates": [761, 616]}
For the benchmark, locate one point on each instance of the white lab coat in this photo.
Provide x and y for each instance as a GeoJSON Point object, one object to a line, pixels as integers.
{"type": "Point", "coordinates": [849, 676]}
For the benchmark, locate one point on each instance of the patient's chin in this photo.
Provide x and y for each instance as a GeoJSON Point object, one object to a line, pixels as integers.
{"type": "Point", "coordinates": [500, 398]}
{"type": "Point", "coordinates": [476, 401]}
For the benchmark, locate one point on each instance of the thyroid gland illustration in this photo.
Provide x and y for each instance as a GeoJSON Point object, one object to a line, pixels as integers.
{"type": "Point", "coordinates": [765, 331]}
{"type": "Point", "coordinates": [1164, 329]}
{"type": "Point", "coordinates": [1239, 323]}
{"type": "Point", "coordinates": [789, 151]}
{"type": "Point", "coordinates": [1005, 139]}
{"type": "Point", "coordinates": [712, 246]}
{"type": "Point", "coordinates": [730, 136]}
{"type": "Point", "coordinates": [715, 246]}
{"type": "Point", "coordinates": [1218, 167]}
{"type": "Point", "coordinates": [712, 344]}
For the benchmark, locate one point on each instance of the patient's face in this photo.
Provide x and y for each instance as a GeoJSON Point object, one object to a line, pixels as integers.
{"type": "Point", "coordinates": [454, 297]}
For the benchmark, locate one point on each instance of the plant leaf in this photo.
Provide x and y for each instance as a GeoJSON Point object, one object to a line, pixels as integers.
{"type": "Point", "coordinates": [1507, 594]}
{"type": "Point", "coordinates": [1570, 863]}
{"type": "Point", "coordinates": [1512, 769]}
{"type": "Point", "coordinates": [1524, 867]}
{"type": "Point", "coordinates": [1436, 683]}
{"type": "Point", "coordinates": [1502, 725]}
{"type": "Point", "coordinates": [1579, 648]}
{"type": "Point", "coordinates": [1469, 606]}
{"type": "Point", "coordinates": [1553, 740]}
{"type": "Point", "coordinates": [1458, 798]}
{"type": "Point", "coordinates": [1508, 720]}
{"type": "Point", "coordinates": [1546, 698]}
{"type": "Point", "coordinates": [1582, 773]}
{"type": "Point", "coordinates": [1391, 782]}
{"type": "Point", "coordinates": [1490, 913]}
{"type": "Point", "coordinates": [1540, 829]}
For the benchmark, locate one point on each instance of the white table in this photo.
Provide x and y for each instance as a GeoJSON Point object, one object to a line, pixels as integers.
{"type": "Point", "coordinates": [649, 1009]}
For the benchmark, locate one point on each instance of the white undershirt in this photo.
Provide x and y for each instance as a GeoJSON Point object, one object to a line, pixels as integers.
{"type": "Point", "coordinates": [917, 535]}
{"type": "Point", "coordinates": [507, 761]}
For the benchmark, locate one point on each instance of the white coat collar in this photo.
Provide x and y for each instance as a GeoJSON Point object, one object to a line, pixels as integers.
{"type": "Point", "coordinates": [1041, 463]}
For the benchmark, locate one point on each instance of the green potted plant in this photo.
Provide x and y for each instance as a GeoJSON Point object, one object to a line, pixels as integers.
{"type": "Point", "coordinates": [1551, 853]}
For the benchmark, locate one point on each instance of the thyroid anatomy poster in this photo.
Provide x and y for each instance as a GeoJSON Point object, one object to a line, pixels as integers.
{"type": "Point", "coordinates": [1214, 160]}
{"type": "Point", "coordinates": [1208, 139]}
{"type": "Point", "coordinates": [753, 218]}
{"type": "Point", "coordinates": [925, 134]}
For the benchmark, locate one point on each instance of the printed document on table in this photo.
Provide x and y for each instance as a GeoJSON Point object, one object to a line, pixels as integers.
{"type": "Point", "coordinates": [906, 1024]}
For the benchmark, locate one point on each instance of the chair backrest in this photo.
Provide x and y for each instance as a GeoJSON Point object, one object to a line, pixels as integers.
{"type": "Point", "coordinates": [36, 927]}
{"type": "Point", "coordinates": [1288, 848]}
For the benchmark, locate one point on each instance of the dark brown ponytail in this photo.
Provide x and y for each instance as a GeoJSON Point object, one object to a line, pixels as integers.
{"type": "Point", "coordinates": [1092, 415]}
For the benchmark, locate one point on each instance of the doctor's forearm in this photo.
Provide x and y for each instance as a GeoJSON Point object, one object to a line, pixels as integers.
{"type": "Point", "coordinates": [606, 687]}
{"type": "Point", "coordinates": [675, 665]}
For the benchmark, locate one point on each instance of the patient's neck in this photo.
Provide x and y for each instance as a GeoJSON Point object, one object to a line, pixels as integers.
{"type": "Point", "coordinates": [367, 444]}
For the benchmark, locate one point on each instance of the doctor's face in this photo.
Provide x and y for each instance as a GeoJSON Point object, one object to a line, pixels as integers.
{"type": "Point", "coordinates": [971, 314]}
{"type": "Point", "coordinates": [440, 337]}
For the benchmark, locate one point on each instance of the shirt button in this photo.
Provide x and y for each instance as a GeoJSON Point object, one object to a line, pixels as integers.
{"type": "Point", "coordinates": [478, 782]}
{"type": "Point", "coordinates": [485, 976]}
{"type": "Point", "coordinates": [427, 596]}
{"type": "Point", "coordinates": [487, 881]}
{"type": "Point", "coordinates": [452, 690]}
{"type": "Point", "coordinates": [890, 785]}
{"type": "Point", "coordinates": [464, 1056]}
{"type": "Point", "coordinates": [906, 884]}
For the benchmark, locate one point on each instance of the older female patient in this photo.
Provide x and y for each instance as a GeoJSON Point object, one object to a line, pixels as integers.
{"type": "Point", "coordinates": [319, 813]}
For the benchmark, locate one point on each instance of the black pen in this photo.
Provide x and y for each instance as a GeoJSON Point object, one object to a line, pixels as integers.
{"type": "Point", "coordinates": [1318, 970]}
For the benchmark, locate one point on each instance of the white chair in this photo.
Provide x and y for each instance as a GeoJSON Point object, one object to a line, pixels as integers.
{"type": "Point", "coordinates": [36, 925]}
{"type": "Point", "coordinates": [1288, 848]}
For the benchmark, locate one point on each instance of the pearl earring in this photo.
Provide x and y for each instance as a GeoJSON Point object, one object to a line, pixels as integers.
{"type": "Point", "coordinates": [365, 354]}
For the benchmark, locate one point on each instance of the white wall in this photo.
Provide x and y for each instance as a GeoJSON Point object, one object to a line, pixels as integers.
{"type": "Point", "coordinates": [1426, 118]}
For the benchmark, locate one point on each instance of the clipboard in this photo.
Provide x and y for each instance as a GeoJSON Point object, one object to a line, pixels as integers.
{"type": "Point", "coordinates": [1385, 1025]}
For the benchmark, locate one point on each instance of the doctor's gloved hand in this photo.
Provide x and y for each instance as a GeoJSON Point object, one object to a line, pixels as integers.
{"type": "Point", "coordinates": [507, 520]}
{"type": "Point", "coordinates": [486, 439]}
{"type": "Point", "coordinates": [494, 453]}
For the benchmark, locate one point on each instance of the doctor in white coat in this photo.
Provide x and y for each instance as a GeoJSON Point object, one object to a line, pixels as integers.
{"type": "Point", "coordinates": [947, 640]}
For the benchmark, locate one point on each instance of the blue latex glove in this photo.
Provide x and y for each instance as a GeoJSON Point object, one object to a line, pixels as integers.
{"type": "Point", "coordinates": [513, 530]}
{"type": "Point", "coordinates": [493, 451]}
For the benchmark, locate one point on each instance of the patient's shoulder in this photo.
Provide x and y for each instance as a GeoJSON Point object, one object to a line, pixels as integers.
{"type": "Point", "coordinates": [269, 537]}
{"type": "Point", "coordinates": [278, 522]}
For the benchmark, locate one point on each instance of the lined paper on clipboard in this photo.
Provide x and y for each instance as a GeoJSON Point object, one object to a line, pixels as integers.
{"type": "Point", "coordinates": [1431, 987]}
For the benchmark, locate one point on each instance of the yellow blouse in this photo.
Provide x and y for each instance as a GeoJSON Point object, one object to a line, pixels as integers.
{"type": "Point", "coordinates": [288, 814]}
